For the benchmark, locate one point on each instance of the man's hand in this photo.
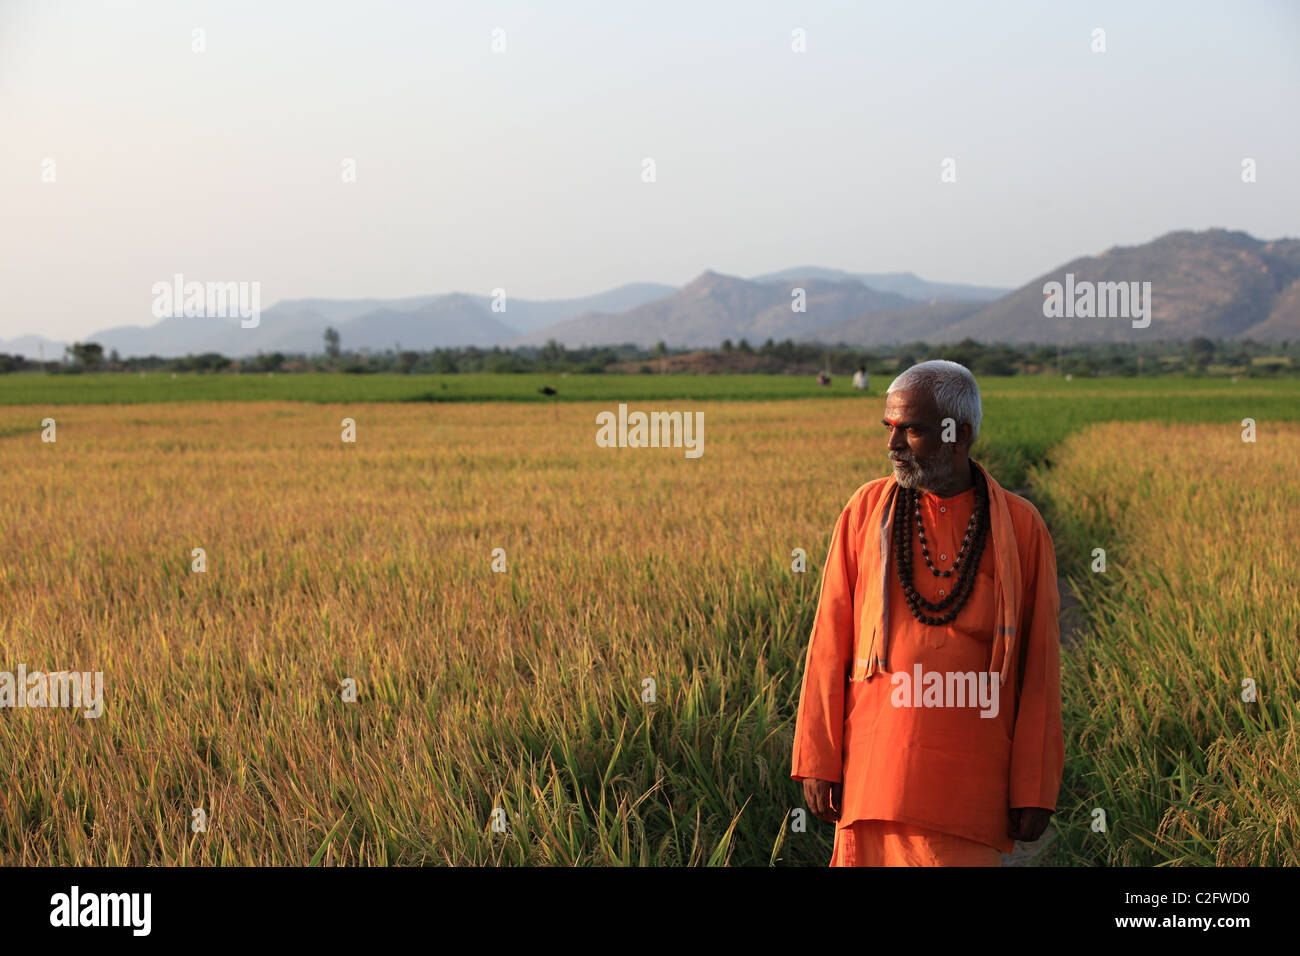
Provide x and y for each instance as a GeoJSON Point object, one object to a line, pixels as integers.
{"type": "Point", "coordinates": [823, 799]}
{"type": "Point", "coordinates": [1027, 823]}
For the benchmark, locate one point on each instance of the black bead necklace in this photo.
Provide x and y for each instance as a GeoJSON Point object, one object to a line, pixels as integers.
{"type": "Point", "coordinates": [965, 541]}
{"type": "Point", "coordinates": [909, 509]}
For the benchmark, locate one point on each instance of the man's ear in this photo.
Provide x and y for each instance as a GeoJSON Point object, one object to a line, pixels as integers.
{"type": "Point", "coordinates": [964, 442]}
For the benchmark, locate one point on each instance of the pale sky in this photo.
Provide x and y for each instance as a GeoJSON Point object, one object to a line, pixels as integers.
{"type": "Point", "coordinates": [522, 169]}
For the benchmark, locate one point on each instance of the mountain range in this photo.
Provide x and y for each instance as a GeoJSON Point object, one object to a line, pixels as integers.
{"type": "Point", "coordinates": [1215, 283]}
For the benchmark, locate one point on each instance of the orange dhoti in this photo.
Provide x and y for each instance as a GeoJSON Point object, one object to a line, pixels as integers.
{"type": "Point", "coordinates": [890, 843]}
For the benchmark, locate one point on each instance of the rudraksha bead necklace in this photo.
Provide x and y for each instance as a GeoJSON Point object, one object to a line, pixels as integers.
{"type": "Point", "coordinates": [909, 509]}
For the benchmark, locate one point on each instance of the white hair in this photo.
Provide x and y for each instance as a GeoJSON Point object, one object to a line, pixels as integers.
{"type": "Point", "coordinates": [953, 387]}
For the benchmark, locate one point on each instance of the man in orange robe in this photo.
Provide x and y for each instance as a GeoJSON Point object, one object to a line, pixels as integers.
{"type": "Point", "coordinates": [931, 737]}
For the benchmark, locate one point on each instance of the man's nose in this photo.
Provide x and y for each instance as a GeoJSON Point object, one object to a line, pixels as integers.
{"type": "Point", "coordinates": [896, 440]}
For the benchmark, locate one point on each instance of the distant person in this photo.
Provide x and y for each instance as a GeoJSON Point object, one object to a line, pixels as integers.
{"type": "Point", "coordinates": [823, 378]}
{"type": "Point", "coordinates": [860, 378]}
{"type": "Point", "coordinates": [929, 725]}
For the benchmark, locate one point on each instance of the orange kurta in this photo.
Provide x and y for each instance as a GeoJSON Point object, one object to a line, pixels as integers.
{"type": "Point", "coordinates": [944, 768]}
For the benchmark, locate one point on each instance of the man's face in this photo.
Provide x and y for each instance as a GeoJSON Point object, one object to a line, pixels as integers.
{"type": "Point", "coordinates": [921, 458]}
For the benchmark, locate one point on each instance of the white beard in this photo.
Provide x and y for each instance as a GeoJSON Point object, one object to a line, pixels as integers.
{"type": "Point", "coordinates": [927, 475]}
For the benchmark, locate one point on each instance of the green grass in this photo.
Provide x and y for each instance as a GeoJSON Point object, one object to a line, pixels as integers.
{"type": "Point", "coordinates": [36, 388]}
{"type": "Point", "coordinates": [1125, 396]}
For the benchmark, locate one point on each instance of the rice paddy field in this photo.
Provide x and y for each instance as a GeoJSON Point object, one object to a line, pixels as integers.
{"type": "Point", "coordinates": [1198, 600]}
{"type": "Point", "coordinates": [622, 691]}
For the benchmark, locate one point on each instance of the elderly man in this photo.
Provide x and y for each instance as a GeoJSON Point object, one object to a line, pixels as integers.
{"type": "Point", "coordinates": [929, 727]}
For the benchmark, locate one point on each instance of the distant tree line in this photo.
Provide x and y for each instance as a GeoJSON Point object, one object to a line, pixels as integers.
{"type": "Point", "coordinates": [1197, 356]}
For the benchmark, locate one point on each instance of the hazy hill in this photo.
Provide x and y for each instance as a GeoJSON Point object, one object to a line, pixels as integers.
{"type": "Point", "coordinates": [33, 347]}
{"type": "Point", "coordinates": [521, 315]}
{"type": "Point", "coordinates": [418, 322]}
{"type": "Point", "coordinates": [714, 307]}
{"type": "Point", "coordinates": [902, 283]}
{"type": "Point", "coordinates": [915, 323]}
{"type": "Point", "coordinates": [448, 320]}
{"type": "Point", "coordinates": [1283, 320]}
{"type": "Point", "coordinates": [1215, 284]}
